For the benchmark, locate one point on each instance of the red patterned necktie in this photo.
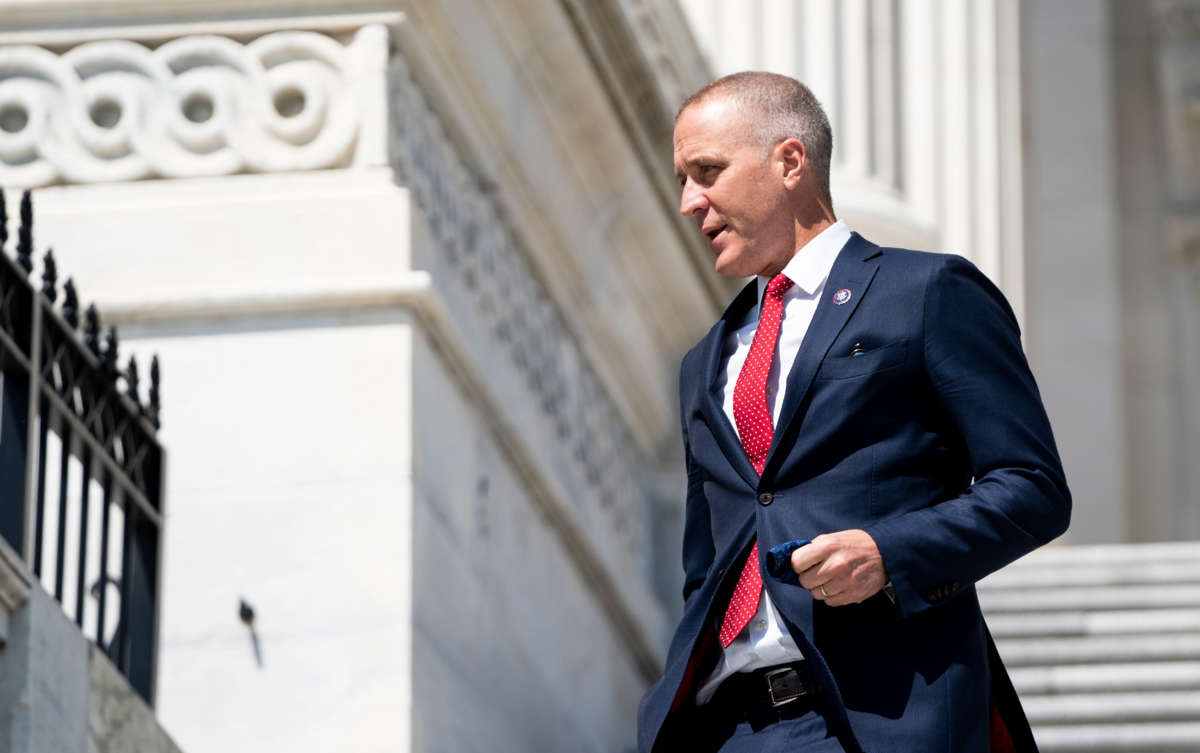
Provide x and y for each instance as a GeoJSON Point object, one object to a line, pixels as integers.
{"type": "Point", "coordinates": [753, 418]}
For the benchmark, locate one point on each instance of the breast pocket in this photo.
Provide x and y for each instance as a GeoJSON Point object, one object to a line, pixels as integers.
{"type": "Point", "coordinates": [879, 359]}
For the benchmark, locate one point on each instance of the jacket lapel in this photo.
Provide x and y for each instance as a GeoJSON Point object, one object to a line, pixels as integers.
{"type": "Point", "coordinates": [714, 412]}
{"type": "Point", "coordinates": [852, 271]}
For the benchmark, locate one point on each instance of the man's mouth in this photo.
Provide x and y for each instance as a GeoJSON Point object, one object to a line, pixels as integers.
{"type": "Point", "coordinates": [714, 232]}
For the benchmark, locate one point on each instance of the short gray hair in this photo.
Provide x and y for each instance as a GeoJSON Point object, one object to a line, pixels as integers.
{"type": "Point", "coordinates": [780, 108]}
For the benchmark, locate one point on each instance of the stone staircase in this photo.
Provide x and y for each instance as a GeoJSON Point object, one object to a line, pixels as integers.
{"type": "Point", "coordinates": [1103, 644]}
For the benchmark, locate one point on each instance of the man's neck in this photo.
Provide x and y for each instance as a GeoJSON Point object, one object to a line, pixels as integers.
{"type": "Point", "coordinates": [805, 233]}
{"type": "Point", "coordinates": [803, 236]}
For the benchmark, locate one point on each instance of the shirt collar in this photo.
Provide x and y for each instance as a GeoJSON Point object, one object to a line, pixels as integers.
{"type": "Point", "coordinates": [809, 267]}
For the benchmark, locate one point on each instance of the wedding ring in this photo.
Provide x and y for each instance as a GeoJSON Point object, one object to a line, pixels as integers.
{"type": "Point", "coordinates": [824, 592]}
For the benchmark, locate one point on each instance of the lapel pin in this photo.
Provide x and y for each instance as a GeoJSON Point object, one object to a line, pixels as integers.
{"type": "Point", "coordinates": [841, 296]}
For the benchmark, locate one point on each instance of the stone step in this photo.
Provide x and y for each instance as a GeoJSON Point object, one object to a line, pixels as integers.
{"type": "Point", "coordinates": [1055, 555]}
{"type": "Point", "coordinates": [1101, 678]}
{"type": "Point", "coordinates": [1024, 652]}
{"type": "Point", "coordinates": [1045, 600]}
{"type": "Point", "coordinates": [1103, 645]}
{"type": "Point", "coordinates": [1094, 623]}
{"type": "Point", "coordinates": [1153, 737]}
{"type": "Point", "coordinates": [1113, 708]}
{"type": "Point", "coordinates": [1093, 574]}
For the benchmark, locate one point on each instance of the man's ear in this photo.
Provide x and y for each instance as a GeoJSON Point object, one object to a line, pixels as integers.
{"type": "Point", "coordinates": [793, 161]}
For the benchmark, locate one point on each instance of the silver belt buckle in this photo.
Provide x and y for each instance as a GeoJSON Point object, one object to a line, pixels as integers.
{"type": "Point", "coordinates": [780, 690]}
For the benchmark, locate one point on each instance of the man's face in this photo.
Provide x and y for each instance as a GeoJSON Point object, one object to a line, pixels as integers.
{"type": "Point", "coordinates": [733, 187]}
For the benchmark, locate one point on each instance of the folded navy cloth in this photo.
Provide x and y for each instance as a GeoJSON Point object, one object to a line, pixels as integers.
{"type": "Point", "coordinates": [779, 561]}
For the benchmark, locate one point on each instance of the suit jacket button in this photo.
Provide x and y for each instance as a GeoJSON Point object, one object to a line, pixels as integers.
{"type": "Point", "coordinates": [765, 498]}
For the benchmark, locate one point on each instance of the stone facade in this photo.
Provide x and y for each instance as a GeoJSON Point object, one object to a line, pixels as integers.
{"type": "Point", "coordinates": [418, 372]}
{"type": "Point", "coordinates": [419, 287]}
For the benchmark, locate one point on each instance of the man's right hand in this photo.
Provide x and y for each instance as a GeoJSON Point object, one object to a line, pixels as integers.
{"type": "Point", "coordinates": [841, 568]}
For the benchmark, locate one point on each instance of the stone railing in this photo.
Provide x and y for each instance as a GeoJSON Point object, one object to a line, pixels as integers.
{"type": "Point", "coordinates": [14, 587]}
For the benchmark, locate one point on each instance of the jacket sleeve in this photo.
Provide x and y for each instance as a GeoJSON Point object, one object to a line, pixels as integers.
{"type": "Point", "coordinates": [698, 548]}
{"type": "Point", "coordinates": [1019, 498]}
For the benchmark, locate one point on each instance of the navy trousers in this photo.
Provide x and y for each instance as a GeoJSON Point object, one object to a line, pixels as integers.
{"type": "Point", "coordinates": [798, 727]}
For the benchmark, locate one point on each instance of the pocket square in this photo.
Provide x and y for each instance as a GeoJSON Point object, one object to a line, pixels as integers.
{"type": "Point", "coordinates": [779, 562]}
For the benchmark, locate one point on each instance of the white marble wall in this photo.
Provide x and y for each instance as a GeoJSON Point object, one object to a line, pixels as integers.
{"type": "Point", "coordinates": [287, 385]}
{"type": "Point", "coordinates": [511, 651]}
{"type": "Point", "coordinates": [328, 462]}
{"type": "Point", "coordinates": [292, 491]}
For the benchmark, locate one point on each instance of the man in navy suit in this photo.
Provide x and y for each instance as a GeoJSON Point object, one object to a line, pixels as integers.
{"type": "Point", "coordinates": [864, 441]}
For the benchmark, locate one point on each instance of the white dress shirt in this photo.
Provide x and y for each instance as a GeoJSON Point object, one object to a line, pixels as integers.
{"type": "Point", "coordinates": [765, 641]}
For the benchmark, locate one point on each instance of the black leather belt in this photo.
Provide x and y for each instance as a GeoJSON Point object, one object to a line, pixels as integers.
{"type": "Point", "coordinates": [765, 689]}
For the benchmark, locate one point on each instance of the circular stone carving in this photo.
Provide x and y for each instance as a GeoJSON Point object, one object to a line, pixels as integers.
{"type": "Point", "coordinates": [193, 105]}
{"type": "Point", "coordinates": [105, 113]}
{"type": "Point", "coordinates": [13, 118]}
{"type": "Point", "coordinates": [289, 102]}
{"type": "Point", "coordinates": [198, 108]}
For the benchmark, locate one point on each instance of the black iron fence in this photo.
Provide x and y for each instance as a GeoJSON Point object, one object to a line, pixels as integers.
{"type": "Point", "coordinates": [81, 469]}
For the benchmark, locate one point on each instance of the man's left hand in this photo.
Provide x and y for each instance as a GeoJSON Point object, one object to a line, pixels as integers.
{"type": "Point", "coordinates": [841, 568]}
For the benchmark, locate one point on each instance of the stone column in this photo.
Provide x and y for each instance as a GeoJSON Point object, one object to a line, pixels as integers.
{"type": "Point", "coordinates": [1177, 29]}
{"type": "Point", "coordinates": [1074, 287]}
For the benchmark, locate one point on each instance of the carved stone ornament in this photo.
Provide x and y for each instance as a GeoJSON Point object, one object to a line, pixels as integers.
{"type": "Point", "coordinates": [520, 316]}
{"type": "Point", "coordinates": [193, 106]}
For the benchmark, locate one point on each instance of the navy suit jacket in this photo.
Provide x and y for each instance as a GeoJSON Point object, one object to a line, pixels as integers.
{"type": "Point", "coordinates": [935, 442]}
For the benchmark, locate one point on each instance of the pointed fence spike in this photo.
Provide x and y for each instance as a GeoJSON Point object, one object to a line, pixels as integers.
{"type": "Point", "coordinates": [155, 405]}
{"type": "Point", "coordinates": [91, 329]}
{"type": "Point", "coordinates": [49, 276]}
{"type": "Point", "coordinates": [111, 345]}
{"type": "Point", "coordinates": [132, 382]}
{"type": "Point", "coordinates": [25, 233]}
{"type": "Point", "coordinates": [70, 307]}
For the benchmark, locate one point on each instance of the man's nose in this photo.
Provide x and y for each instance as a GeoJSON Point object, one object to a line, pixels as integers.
{"type": "Point", "coordinates": [692, 199]}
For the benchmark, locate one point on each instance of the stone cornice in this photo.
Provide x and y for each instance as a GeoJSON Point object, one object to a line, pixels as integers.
{"type": "Point", "coordinates": [62, 36]}
{"type": "Point", "coordinates": [649, 62]}
{"type": "Point", "coordinates": [522, 101]}
{"type": "Point", "coordinates": [84, 14]}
